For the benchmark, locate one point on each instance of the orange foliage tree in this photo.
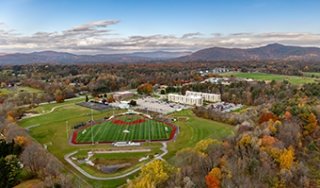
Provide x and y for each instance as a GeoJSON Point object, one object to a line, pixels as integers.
{"type": "Point", "coordinates": [145, 89]}
{"type": "Point", "coordinates": [213, 178]}
{"type": "Point", "coordinates": [267, 116]}
{"type": "Point", "coordinates": [21, 140]}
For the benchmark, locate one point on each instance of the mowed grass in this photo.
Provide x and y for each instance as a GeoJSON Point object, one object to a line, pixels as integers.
{"type": "Point", "coordinates": [194, 129]}
{"type": "Point", "coordinates": [269, 77]}
{"type": "Point", "coordinates": [110, 132]}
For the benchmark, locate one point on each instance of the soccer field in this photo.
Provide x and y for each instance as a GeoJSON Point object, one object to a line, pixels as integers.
{"type": "Point", "coordinates": [124, 128]}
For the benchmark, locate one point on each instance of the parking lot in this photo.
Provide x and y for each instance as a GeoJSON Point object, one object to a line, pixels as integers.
{"type": "Point", "coordinates": [224, 106]}
{"type": "Point", "coordinates": [159, 106]}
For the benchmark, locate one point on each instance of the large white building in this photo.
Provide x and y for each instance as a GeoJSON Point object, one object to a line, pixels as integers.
{"type": "Point", "coordinates": [189, 100]}
{"type": "Point", "coordinates": [210, 97]}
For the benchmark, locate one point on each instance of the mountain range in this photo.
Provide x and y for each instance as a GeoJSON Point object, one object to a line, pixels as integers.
{"type": "Point", "coordinates": [268, 52]}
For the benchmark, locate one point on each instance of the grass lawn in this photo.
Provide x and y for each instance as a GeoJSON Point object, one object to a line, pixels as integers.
{"type": "Point", "coordinates": [48, 107]}
{"type": "Point", "coordinates": [51, 130]}
{"type": "Point", "coordinates": [269, 77]}
{"type": "Point", "coordinates": [195, 129]}
{"type": "Point", "coordinates": [312, 74]}
{"type": "Point", "coordinates": [18, 89]}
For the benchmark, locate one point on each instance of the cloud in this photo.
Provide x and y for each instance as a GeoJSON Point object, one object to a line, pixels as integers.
{"type": "Point", "coordinates": [97, 38]}
{"type": "Point", "coordinates": [94, 25]}
{"type": "Point", "coordinates": [188, 35]}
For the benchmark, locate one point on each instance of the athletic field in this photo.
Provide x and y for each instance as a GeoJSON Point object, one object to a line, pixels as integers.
{"type": "Point", "coordinates": [124, 128]}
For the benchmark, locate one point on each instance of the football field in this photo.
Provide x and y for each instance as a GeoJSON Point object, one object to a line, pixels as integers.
{"type": "Point", "coordinates": [124, 128]}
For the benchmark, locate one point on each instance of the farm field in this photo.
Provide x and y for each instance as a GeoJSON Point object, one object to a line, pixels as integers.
{"type": "Point", "coordinates": [124, 128]}
{"type": "Point", "coordinates": [18, 89]}
{"type": "Point", "coordinates": [269, 77]}
{"type": "Point", "coordinates": [53, 129]}
{"type": "Point", "coordinates": [312, 74]}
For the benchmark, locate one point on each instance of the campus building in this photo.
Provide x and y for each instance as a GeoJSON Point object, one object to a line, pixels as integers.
{"type": "Point", "coordinates": [189, 100]}
{"type": "Point", "coordinates": [210, 97]}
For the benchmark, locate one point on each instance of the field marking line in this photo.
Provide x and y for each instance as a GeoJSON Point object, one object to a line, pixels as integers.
{"type": "Point", "coordinates": [32, 126]}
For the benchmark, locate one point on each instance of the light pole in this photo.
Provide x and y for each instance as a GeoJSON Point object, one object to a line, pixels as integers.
{"type": "Point", "coordinates": [92, 126]}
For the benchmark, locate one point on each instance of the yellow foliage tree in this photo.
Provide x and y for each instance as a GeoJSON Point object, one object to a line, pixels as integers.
{"type": "Point", "coordinates": [245, 140]}
{"type": "Point", "coordinates": [312, 124]}
{"type": "Point", "coordinates": [152, 174]}
{"type": "Point", "coordinates": [286, 158]}
{"type": "Point", "coordinates": [10, 117]}
{"type": "Point", "coordinates": [202, 145]}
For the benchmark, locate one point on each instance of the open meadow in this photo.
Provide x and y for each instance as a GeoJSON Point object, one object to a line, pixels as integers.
{"type": "Point", "coordinates": [269, 77]}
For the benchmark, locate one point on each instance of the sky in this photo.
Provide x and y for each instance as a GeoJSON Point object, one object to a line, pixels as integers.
{"type": "Point", "coordinates": [123, 26]}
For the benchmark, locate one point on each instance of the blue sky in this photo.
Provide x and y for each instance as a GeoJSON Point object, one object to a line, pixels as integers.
{"type": "Point", "coordinates": [163, 17]}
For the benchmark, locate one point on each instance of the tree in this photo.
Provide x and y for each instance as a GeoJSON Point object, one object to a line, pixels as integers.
{"type": "Point", "coordinates": [286, 158]}
{"type": "Point", "coordinates": [152, 175]}
{"type": "Point", "coordinates": [10, 169]}
{"type": "Point", "coordinates": [59, 97]}
{"type": "Point", "coordinates": [21, 140]}
{"type": "Point", "coordinates": [213, 178]}
{"type": "Point", "coordinates": [133, 103]}
{"type": "Point", "coordinates": [312, 124]}
{"type": "Point", "coordinates": [145, 89]}
{"type": "Point", "coordinates": [267, 116]}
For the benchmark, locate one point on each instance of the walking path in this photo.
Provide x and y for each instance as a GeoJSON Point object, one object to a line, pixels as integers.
{"type": "Point", "coordinates": [44, 113]}
{"type": "Point", "coordinates": [67, 158]}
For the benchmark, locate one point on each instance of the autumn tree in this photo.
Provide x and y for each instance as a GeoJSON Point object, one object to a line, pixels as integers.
{"type": "Point", "coordinates": [267, 116]}
{"type": "Point", "coordinates": [286, 158]}
{"type": "Point", "coordinates": [312, 124]}
{"type": "Point", "coordinates": [152, 175]}
{"type": "Point", "coordinates": [213, 179]}
{"type": "Point", "coordinates": [59, 96]}
{"type": "Point", "coordinates": [145, 89]}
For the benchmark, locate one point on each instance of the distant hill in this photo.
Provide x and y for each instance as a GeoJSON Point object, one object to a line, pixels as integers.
{"type": "Point", "coordinates": [269, 52]}
{"type": "Point", "coordinates": [68, 58]}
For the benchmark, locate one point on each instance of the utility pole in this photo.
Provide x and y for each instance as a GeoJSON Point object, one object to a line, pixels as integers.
{"type": "Point", "coordinates": [91, 115]}
{"type": "Point", "coordinates": [67, 131]}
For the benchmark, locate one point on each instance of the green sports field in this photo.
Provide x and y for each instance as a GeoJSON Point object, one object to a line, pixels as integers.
{"type": "Point", "coordinates": [124, 128]}
{"type": "Point", "coordinates": [269, 77]}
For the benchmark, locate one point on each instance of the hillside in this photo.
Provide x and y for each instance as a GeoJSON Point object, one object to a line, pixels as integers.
{"type": "Point", "coordinates": [269, 52]}
{"type": "Point", "coordinates": [69, 58]}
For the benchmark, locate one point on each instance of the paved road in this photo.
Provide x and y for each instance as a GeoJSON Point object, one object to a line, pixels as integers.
{"type": "Point", "coordinates": [67, 158]}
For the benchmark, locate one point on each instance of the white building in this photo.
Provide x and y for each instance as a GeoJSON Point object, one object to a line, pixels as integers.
{"type": "Point", "coordinates": [210, 97]}
{"type": "Point", "coordinates": [189, 100]}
